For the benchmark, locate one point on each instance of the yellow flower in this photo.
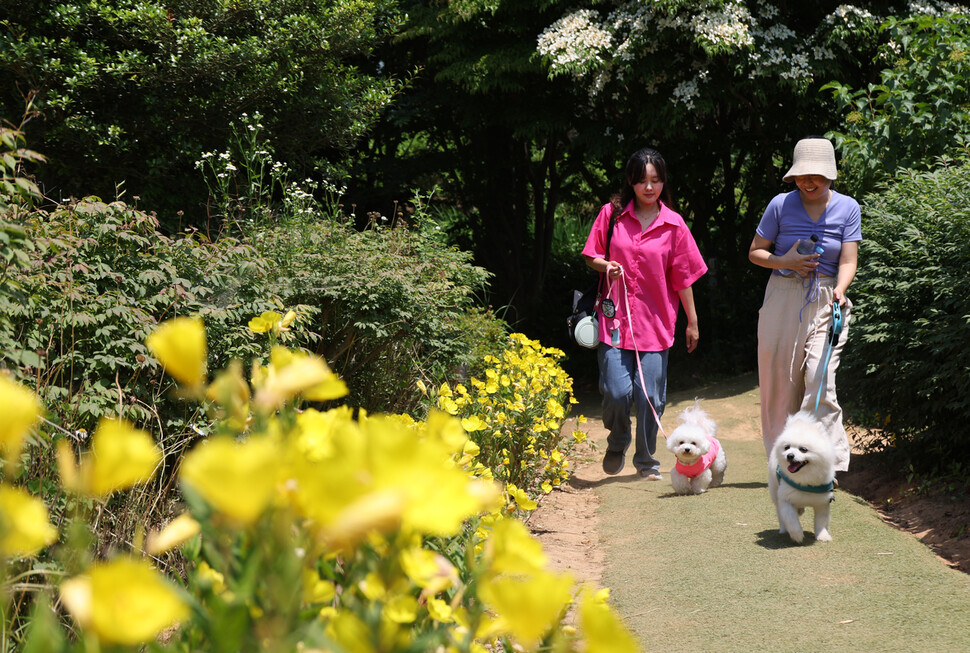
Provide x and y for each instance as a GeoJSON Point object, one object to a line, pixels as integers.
{"type": "Point", "coordinates": [180, 346]}
{"type": "Point", "coordinates": [401, 609]}
{"type": "Point", "coordinates": [603, 631]}
{"type": "Point", "coordinates": [290, 374]}
{"type": "Point", "coordinates": [521, 497]}
{"type": "Point", "coordinates": [527, 607]}
{"type": "Point", "coordinates": [315, 589]}
{"type": "Point", "coordinates": [422, 387]}
{"type": "Point", "coordinates": [440, 611]}
{"type": "Point", "coordinates": [236, 479]}
{"type": "Point", "coordinates": [230, 390]}
{"type": "Point", "coordinates": [511, 549]}
{"type": "Point", "coordinates": [24, 528]}
{"type": "Point", "coordinates": [178, 531]}
{"type": "Point", "coordinates": [21, 410]}
{"type": "Point", "coordinates": [121, 456]}
{"type": "Point", "coordinates": [123, 602]}
{"type": "Point", "coordinates": [474, 423]}
{"type": "Point", "coordinates": [428, 570]}
{"type": "Point", "coordinates": [265, 322]}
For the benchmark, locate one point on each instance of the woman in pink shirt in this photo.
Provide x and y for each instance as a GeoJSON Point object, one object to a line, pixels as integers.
{"type": "Point", "coordinates": [652, 263]}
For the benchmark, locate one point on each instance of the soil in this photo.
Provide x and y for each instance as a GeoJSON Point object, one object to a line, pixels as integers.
{"type": "Point", "coordinates": [566, 520]}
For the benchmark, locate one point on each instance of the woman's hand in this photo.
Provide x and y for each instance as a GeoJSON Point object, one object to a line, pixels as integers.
{"type": "Point", "coordinates": [614, 270]}
{"type": "Point", "coordinates": [803, 264]}
{"type": "Point", "coordinates": [693, 335]}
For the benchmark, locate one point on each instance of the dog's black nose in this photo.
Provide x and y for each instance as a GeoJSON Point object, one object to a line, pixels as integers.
{"type": "Point", "coordinates": [790, 457]}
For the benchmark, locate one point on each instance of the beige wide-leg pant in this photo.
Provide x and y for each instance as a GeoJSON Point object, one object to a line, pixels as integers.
{"type": "Point", "coordinates": [791, 353]}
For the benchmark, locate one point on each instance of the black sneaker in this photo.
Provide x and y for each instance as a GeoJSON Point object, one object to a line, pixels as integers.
{"type": "Point", "coordinates": [613, 462]}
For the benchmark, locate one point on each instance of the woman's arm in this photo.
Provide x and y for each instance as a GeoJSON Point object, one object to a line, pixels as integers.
{"type": "Point", "coordinates": [601, 265]}
{"type": "Point", "coordinates": [848, 262]}
{"type": "Point", "coordinates": [687, 299]}
{"type": "Point", "coordinates": [759, 253]}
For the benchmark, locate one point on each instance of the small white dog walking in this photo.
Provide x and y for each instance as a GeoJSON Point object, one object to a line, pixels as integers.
{"type": "Point", "coordinates": [700, 458]}
{"type": "Point", "coordinates": [801, 474]}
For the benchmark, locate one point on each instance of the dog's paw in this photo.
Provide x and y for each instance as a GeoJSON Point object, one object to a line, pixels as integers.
{"type": "Point", "coordinates": [823, 536]}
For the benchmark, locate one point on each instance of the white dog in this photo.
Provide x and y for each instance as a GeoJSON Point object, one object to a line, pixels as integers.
{"type": "Point", "coordinates": [700, 457]}
{"type": "Point", "coordinates": [801, 474]}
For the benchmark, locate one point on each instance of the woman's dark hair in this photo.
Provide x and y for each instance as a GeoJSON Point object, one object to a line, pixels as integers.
{"type": "Point", "coordinates": [636, 170]}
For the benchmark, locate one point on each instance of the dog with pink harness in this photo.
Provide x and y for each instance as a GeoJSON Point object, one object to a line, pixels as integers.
{"type": "Point", "coordinates": [700, 458]}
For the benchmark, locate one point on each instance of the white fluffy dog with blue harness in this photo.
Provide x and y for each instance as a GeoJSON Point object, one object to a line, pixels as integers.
{"type": "Point", "coordinates": [801, 474]}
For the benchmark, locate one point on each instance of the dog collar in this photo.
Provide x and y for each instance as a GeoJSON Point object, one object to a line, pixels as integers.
{"type": "Point", "coordinates": [817, 489]}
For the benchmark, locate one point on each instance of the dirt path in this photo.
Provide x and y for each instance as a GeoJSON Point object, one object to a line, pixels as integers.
{"type": "Point", "coordinates": [616, 532]}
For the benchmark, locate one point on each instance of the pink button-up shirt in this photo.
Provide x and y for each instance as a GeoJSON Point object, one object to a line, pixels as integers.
{"type": "Point", "coordinates": [657, 264]}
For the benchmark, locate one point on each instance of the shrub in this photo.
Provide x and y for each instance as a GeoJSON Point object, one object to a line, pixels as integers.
{"type": "Point", "coordinates": [394, 304]}
{"type": "Point", "coordinates": [304, 531]}
{"type": "Point", "coordinates": [98, 279]}
{"type": "Point", "coordinates": [907, 362]}
{"type": "Point", "coordinates": [514, 415]}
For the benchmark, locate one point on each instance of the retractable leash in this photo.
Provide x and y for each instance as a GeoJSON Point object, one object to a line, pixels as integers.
{"type": "Point", "coordinates": [636, 350]}
{"type": "Point", "coordinates": [834, 331]}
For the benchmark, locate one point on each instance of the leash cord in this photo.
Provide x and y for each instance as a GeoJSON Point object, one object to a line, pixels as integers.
{"type": "Point", "coordinates": [834, 331]}
{"type": "Point", "coordinates": [636, 351]}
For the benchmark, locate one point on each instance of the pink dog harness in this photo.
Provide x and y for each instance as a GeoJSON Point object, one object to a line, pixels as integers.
{"type": "Point", "coordinates": [697, 468]}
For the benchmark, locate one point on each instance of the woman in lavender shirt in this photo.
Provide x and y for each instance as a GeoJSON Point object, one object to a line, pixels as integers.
{"type": "Point", "coordinates": [795, 318]}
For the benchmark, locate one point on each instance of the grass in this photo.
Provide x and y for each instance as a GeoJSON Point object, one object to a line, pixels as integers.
{"type": "Point", "coordinates": [711, 572]}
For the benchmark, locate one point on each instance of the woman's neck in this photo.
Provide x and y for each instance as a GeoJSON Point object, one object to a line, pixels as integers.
{"type": "Point", "coordinates": [646, 213]}
{"type": "Point", "coordinates": [816, 207]}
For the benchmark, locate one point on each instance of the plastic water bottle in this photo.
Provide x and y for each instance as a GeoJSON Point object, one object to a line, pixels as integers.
{"type": "Point", "coordinates": [809, 246]}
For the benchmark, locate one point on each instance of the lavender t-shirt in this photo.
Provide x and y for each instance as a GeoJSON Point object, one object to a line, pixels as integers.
{"type": "Point", "coordinates": [786, 221]}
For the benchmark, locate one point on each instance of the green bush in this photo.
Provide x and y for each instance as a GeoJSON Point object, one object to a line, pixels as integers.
{"type": "Point", "coordinates": [98, 278]}
{"type": "Point", "coordinates": [395, 306]}
{"type": "Point", "coordinates": [907, 365]}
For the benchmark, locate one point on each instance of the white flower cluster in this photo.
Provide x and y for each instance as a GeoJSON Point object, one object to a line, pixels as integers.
{"type": "Point", "coordinates": [727, 26]}
{"type": "Point", "coordinates": [850, 15]}
{"type": "Point", "coordinates": [937, 8]}
{"type": "Point", "coordinates": [574, 39]}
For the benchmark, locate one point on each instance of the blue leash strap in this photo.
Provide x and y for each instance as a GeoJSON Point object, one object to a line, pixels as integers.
{"type": "Point", "coordinates": [834, 332]}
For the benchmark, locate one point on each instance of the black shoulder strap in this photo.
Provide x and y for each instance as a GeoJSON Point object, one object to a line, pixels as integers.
{"type": "Point", "coordinates": [609, 236]}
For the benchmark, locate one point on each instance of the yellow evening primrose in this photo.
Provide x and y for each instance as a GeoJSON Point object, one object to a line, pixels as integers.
{"type": "Point", "coordinates": [521, 497]}
{"type": "Point", "coordinates": [180, 347]}
{"type": "Point", "coordinates": [290, 374]}
{"type": "Point", "coordinates": [474, 423]}
{"type": "Point", "coordinates": [267, 321]}
{"type": "Point", "coordinates": [527, 607]}
{"type": "Point", "coordinates": [428, 570]}
{"type": "Point", "coordinates": [21, 410]}
{"type": "Point", "coordinates": [177, 532]}
{"type": "Point", "coordinates": [120, 457]}
{"type": "Point", "coordinates": [511, 549]}
{"type": "Point", "coordinates": [316, 589]}
{"type": "Point", "coordinates": [401, 609]}
{"type": "Point", "coordinates": [546, 487]}
{"type": "Point", "coordinates": [123, 602]}
{"type": "Point", "coordinates": [602, 629]}
{"type": "Point", "coordinates": [24, 528]}
{"type": "Point", "coordinates": [230, 391]}
{"type": "Point", "coordinates": [236, 479]}
{"type": "Point", "coordinates": [440, 610]}
{"type": "Point", "coordinates": [422, 387]}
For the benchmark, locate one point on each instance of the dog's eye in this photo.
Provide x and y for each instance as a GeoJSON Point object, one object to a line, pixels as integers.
{"type": "Point", "coordinates": [803, 449]}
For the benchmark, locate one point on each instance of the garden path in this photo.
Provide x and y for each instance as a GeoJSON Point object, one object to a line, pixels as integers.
{"type": "Point", "coordinates": [711, 571]}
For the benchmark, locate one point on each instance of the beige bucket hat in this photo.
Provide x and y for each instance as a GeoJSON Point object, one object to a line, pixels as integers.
{"type": "Point", "coordinates": [813, 156]}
